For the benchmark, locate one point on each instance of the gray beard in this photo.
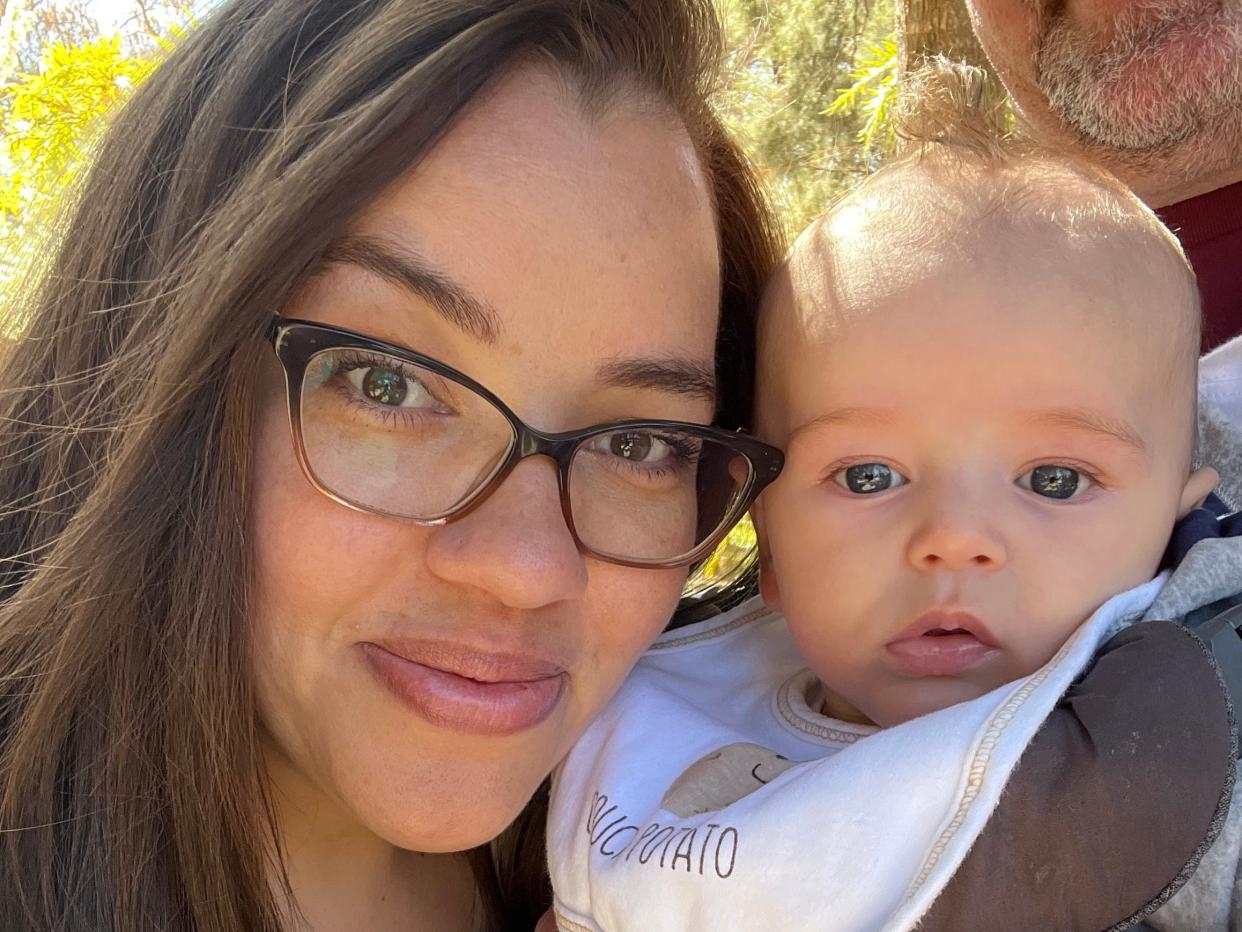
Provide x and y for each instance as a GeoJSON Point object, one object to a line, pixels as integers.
{"type": "Point", "coordinates": [1124, 95]}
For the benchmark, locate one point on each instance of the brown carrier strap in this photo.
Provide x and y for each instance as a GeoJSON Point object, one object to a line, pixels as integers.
{"type": "Point", "coordinates": [1111, 807]}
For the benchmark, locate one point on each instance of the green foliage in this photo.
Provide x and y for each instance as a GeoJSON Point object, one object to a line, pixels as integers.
{"type": "Point", "coordinates": [52, 108]}
{"type": "Point", "coordinates": [873, 92]}
{"type": "Point", "coordinates": [789, 57]}
{"type": "Point", "coordinates": [50, 117]}
{"type": "Point", "coordinates": [734, 555]}
{"type": "Point", "coordinates": [788, 60]}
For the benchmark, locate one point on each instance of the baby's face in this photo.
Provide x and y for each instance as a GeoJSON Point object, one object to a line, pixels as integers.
{"type": "Point", "coordinates": [978, 457]}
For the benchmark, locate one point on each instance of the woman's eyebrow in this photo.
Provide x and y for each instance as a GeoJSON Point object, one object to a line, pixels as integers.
{"type": "Point", "coordinates": [676, 375]}
{"type": "Point", "coordinates": [403, 267]}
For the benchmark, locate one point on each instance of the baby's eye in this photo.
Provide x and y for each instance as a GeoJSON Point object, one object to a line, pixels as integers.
{"type": "Point", "coordinates": [1058, 482]}
{"type": "Point", "coordinates": [868, 478]}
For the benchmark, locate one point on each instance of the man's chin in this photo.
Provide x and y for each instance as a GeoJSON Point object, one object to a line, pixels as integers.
{"type": "Point", "coordinates": [1159, 91]}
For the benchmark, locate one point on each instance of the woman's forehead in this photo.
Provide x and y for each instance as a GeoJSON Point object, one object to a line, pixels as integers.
{"type": "Point", "coordinates": [534, 126]}
{"type": "Point", "coordinates": [539, 242]}
{"type": "Point", "coordinates": [529, 202]}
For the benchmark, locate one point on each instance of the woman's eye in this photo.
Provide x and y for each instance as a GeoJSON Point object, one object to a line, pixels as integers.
{"type": "Point", "coordinates": [388, 387]}
{"type": "Point", "coordinates": [868, 478]}
{"type": "Point", "coordinates": [1057, 482]}
{"type": "Point", "coordinates": [638, 447]}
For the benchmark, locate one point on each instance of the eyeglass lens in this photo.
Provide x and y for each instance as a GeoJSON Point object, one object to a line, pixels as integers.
{"type": "Point", "coordinates": [400, 439]}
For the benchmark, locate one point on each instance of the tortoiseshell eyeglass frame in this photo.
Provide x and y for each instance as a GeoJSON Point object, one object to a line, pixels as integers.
{"type": "Point", "coordinates": [297, 342]}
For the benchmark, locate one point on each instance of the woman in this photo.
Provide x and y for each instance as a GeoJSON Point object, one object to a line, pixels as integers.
{"type": "Point", "coordinates": [263, 678]}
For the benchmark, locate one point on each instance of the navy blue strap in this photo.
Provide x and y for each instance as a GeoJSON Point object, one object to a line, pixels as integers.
{"type": "Point", "coordinates": [1213, 519]}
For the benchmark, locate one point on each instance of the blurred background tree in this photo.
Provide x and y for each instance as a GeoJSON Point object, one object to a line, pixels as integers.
{"type": "Point", "coordinates": [40, 23]}
{"type": "Point", "coordinates": [808, 89]}
{"type": "Point", "coordinates": [789, 60]}
{"type": "Point", "coordinates": [64, 65]}
{"type": "Point", "coordinates": [936, 27]}
{"type": "Point", "coordinates": [810, 83]}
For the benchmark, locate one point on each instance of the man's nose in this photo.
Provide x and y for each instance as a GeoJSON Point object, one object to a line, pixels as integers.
{"type": "Point", "coordinates": [515, 544]}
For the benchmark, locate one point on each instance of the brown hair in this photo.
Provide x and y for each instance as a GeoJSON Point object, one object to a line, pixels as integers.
{"type": "Point", "coordinates": [131, 794]}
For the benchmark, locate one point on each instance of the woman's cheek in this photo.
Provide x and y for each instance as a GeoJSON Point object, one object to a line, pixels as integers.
{"type": "Point", "coordinates": [632, 607]}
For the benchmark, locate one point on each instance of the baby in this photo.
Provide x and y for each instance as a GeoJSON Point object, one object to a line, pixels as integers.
{"type": "Point", "coordinates": [982, 367]}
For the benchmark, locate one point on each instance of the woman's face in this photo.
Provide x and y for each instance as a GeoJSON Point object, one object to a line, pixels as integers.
{"type": "Point", "coordinates": [588, 243]}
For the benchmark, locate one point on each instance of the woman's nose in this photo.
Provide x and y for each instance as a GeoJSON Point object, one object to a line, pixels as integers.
{"type": "Point", "coordinates": [514, 545]}
{"type": "Point", "coordinates": [956, 536]}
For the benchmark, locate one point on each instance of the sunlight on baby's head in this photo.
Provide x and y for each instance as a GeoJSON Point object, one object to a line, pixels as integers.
{"type": "Point", "coordinates": [971, 215]}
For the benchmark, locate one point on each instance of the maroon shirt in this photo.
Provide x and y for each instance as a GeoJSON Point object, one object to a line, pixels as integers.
{"type": "Point", "coordinates": [1210, 229]}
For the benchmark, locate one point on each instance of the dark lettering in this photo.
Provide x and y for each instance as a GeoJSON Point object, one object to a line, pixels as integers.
{"type": "Point", "coordinates": [703, 851]}
{"type": "Point", "coordinates": [603, 846]}
{"type": "Point", "coordinates": [720, 843]}
{"type": "Point", "coordinates": [596, 835]}
{"type": "Point", "coordinates": [654, 842]}
{"type": "Point", "coordinates": [649, 830]}
{"type": "Point", "coordinates": [607, 828]}
{"type": "Point", "coordinates": [664, 850]}
{"type": "Point", "coordinates": [598, 802]}
{"type": "Point", "coordinates": [684, 847]}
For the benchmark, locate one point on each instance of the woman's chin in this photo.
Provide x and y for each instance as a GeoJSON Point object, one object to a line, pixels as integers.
{"type": "Point", "coordinates": [429, 835]}
{"type": "Point", "coordinates": [444, 807]}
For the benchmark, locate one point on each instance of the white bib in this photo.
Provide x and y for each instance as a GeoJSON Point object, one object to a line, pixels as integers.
{"type": "Point", "coordinates": [710, 795]}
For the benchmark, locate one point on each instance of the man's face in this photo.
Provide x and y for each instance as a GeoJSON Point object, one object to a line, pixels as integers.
{"type": "Point", "coordinates": [1142, 85]}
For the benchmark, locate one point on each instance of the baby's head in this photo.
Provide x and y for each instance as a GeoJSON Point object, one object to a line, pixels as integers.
{"type": "Point", "coordinates": [982, 365]}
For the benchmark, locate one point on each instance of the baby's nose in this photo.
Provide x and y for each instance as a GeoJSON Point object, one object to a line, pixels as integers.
{"type": "Point", "coordinates": [956, 542]}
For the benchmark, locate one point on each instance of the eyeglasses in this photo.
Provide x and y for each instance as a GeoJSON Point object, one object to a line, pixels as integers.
{"type": "Point", "coordinates": [387, 431]}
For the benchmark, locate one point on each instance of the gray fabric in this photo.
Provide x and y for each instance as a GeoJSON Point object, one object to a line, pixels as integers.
{"type": "Point", "coordinates": [1220, 631]}
{"type": "Point", "coordinates": [1220, 446]}
{"type": "Point", "coordinates": [1212, 570]}
{"type": "Point", "coordinates": [1210, 573]}
{"type": "Point", "coordinates": [1143, 796]}
{"type": "Point", "coordinates": [1205, 902]}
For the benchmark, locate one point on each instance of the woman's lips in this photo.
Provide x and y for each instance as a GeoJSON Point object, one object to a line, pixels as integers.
{"type": "Point", "coordinates": [464, 690]}
{"type": "Point", "coordinates": [942, 644]}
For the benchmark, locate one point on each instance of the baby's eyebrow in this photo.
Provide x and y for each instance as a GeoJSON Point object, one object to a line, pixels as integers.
{"type": "Point", "coordinates": [1092, 422]}
{"type": "Point", "coordinates": [880, 417]}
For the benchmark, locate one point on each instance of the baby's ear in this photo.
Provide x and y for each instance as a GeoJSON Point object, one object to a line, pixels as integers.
{"type": "Point", "coordinates": [1198, 487]}
{"type": "Point", "coordinates": [768, 586]}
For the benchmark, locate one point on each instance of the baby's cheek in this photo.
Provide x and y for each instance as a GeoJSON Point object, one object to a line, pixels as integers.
{"type": "Point", "coordinates": [1040, 641]}
{"type": "Point", "coordinates": [1041, 648]}
{"type": "Point", "coordinates": [835, 659]}
{"type": "Point", "coordinates": [1087, 577]}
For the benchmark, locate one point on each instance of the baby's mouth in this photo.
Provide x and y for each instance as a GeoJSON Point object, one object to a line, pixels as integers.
{"type": "Point", "coordinates": [942, 644]}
